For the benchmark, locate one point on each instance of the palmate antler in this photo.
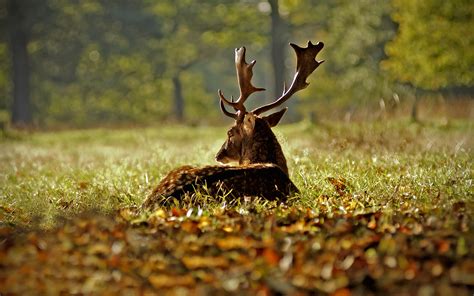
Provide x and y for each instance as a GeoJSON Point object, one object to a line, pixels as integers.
{"type": "Point", "coordinates": [244, 76]}
{"type": "Point", "coordinates": [306, 63]}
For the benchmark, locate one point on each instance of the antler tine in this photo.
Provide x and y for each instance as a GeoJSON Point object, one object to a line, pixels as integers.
{"type": "Point", "coordinates": [244, 77]}
{"type": "Point", "coordinates": [230, 114]}
{"type": "Point", "coordinates": [306, 63]}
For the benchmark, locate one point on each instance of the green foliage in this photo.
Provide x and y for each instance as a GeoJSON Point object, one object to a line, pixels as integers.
{"type": "Point", "coordinates": [114, 62]}
{"type": "Point", "coordinates": [194, 33]}
{"type": "Point", "coordinates": [355, 37]}
{"type": "Point", "coordinates": [434, 45]}
{"type": "Point", "coordinates": [90, 62]}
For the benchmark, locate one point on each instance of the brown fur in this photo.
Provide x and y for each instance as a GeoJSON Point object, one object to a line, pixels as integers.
{"type": "Point", "coordinates": [261, 146]}
{"type": "Point", "coordinates": [263, 180]}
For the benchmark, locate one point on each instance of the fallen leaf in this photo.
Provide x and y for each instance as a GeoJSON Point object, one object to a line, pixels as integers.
{"type": "Point", "coordinates": [271, 256]}
{"type": "Point", "coordinates": [342, 292]}
{"type": "Point", "coordinates": [463, 273]}
{"type": "Point", "coordinates": [83, 185]}
{"type": "Point", "coordinates": [196, 262]}
{"type": "Point", "coordinates": [178, 212]}
{"type": "Point", "coordinates": [161, 281]}
{"type": "Point", "coordinates": [443, 246]}
{"type": "Point", "coordinates": [190, 226]}
{"type": "Point", "coordinates": [234, 242]}
{"type": "Point", "coordinates": [339, 185]}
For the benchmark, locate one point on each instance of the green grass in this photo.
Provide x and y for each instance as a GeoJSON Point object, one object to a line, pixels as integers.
{"type": "Point", "coordinates": [394, 166]}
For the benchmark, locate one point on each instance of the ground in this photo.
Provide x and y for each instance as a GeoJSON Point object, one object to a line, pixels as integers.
{"type": "Point", "coordinates": [385, 207]}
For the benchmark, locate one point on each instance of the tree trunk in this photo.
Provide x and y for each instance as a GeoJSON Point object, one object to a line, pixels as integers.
{"type": "Point", "coordinates": [178, 98]}
{"type": "Point", "coordinates": [414, 108]}
{"type": "Point", "coordinates": [278, 46]}
{"type": "Point", "coordinates": [18, 42]}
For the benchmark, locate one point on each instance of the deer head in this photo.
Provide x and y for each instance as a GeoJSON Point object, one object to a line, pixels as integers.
{"type": "Point", "coordinates": [250, 139]}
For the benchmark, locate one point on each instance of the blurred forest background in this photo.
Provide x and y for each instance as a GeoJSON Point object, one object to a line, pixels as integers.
{"type": "Point", "coordinates": [82, 63]}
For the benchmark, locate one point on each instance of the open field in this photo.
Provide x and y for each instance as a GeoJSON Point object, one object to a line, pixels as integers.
{"type": "Point", "coordinates": [383, 206]}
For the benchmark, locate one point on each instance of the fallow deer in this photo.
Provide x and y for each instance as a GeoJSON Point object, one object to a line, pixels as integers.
{"type": "Point", "coordinates": [262, 169]}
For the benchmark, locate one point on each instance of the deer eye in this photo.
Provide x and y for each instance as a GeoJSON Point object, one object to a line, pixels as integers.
{"type": "Point", "coordinates": [230, 134]}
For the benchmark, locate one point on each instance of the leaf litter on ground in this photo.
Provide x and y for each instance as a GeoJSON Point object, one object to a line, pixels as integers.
{"type": "Point", "coordinates": [286, 250]}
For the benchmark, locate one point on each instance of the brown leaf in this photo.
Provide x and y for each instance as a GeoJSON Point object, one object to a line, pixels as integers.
{"type": "Point", "coordinates": [5, 231]}
{"type": "Point", "coordinates": [298, 226]}
{"type": "Point", "coordinates": [83, 185]}
{"type": "Point", "coordinates": [443, 246]}
{"type": "Point", "coordinates": [342, 226]}
{"type": "Point", "coordinates": [7, 209]}
{"type": "Point", "coordinates": [342, 292]}
{"type": "Point", "coordinates": [64, 204]}
{"type": "Point", "coordinates": [271, 256]}
{"type": "Point", "coordinates": [339, 185]}
{"type": "Point", "coordinates": [127, 213]}
{"type": "Point", "coordinates": [99, 249]}
{"type": "Point", "coordinates": [372, 223]}
{"type": "Point", "coordinates": [160, 281]}
{"type": "Point", "coordinates": [459, 206]}
{"type": "Point", "coordinates": [234, 242]}
{"type": "Point", "coordinates": [190, 226]}
{"type": "Point", "coordinates": [463, 273]}
{"type": "Point", "coordinates": [228, 228]}
{"type": "Point", "coordinates": [178, 212]}
{"type": "Point", "coordinates": [412, 270]}
{"type": "Point", "coordinates": [435, 268]}
{"type": "Point", "coordinates": [196, 262]}
{"type": "Point", "coordinates": [204, 222]}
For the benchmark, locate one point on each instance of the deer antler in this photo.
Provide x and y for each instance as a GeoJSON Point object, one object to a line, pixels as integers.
{"type": "Point", "coordinates": [244, 77]}
{"type": "Point", "coordinates": [306, 63]}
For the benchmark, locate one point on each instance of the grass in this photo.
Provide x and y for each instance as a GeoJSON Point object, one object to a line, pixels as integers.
{"type": "Point", "coordinates": [392, 166]}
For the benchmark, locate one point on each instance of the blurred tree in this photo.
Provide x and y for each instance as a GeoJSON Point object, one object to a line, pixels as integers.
{"type": "Point", "coordinates": [433, 48]}
{"type": "Point", "coordinates": [98, 61]}
{"type": "Point", "coordinates": [19, 22]}
{"type": "Point", "coordinates": [434, 44]}
{"type": "Point", "coordinates": [4, 59]}
{"type": "Point", "coordinates": [290, 21]}
{"type": "Point", "coordinates": [355, 33]}
{"type": "Point", "coordinates": [279, 41]}
{"type": "Point", "coordinates": [196, 32]}
{"type": "Point", "coordinates": [119, 67]}
{"type": "Point", "coordinates": [4, 78]}
{"type": "Point", "coordinates": [305, 20]}
{"type": "Point", "coordinates": [94, 61]}
{"type": "Point", "coordinates": [82, 55]}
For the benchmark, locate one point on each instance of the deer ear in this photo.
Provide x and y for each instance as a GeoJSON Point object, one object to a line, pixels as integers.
{"type": "Point", "coordinates": [274, 118]}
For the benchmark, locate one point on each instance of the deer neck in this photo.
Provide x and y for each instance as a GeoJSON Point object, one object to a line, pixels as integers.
{"type": "Point", "coordinates": [263, 147]}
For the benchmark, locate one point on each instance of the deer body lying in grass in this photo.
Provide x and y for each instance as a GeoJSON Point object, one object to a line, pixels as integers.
{"type": "Point", "coordinates": [262, 169]}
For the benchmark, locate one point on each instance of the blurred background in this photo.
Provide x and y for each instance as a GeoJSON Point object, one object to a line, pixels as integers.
{"type": "Point", "coordinates": [87, 63]}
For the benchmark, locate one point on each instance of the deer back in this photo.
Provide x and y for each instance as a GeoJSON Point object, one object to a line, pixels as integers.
{"type": "Point", "coordinates": [232, 182]}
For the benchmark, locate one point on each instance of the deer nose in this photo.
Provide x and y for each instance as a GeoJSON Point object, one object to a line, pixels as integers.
{"type": "Point", "coordinates": [222, 156]}
{"type": "Point", "coordinates": [222, 159]}
{"type": "Point", "coordinates": [219, 156]}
